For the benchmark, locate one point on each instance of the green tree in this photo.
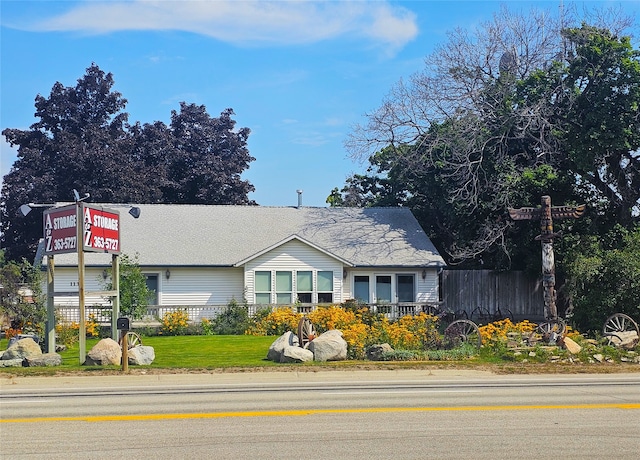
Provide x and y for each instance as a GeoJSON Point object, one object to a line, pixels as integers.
{"type": "Point", "coordinates": [209, 156]}
{"type": "Point", "coordinates": [605, 278]}
{"type": "Point", "coordinates": [21, 297]}
{"type": "Point", "coordinates": [83, 140]}
{"type": "Point", "coordinates": [134, 293]}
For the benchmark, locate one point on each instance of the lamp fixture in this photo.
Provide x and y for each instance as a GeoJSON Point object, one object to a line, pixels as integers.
{"type": "Point", "coordinates": [424, 274]}
{"type": "Point", "coordinates": [167, 274]}
{"type": "Point", "coordinates": [104, 274]}
{"type": "Point", "coordinates": [344, 274]}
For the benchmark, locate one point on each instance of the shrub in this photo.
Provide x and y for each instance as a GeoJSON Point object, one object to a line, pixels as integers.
{"type": "Point", "coordinates": [274, 322]}
{"type": "Point", "coordinates": [419, 332]}
{"type": "Point", "coordinates": [174, 323]}
{"type": "Point", "coordinates": [495, 335]}
{"type": "Point", "coordinates": [207, 326]}
{"type": "Point", "coordinates": [234, 320]}
{"type": "Point", "coordinates": [67, 333]}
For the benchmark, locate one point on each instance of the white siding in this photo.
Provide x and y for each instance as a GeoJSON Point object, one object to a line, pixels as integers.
{"type": "Point", "coordinates": [200, 286]}
{"type": "Point", "coordinates": [66, 280]}
{"type": "Point", "coordinates": [428, 288]}
{"type": "Point", "coordinates": [185, 286]}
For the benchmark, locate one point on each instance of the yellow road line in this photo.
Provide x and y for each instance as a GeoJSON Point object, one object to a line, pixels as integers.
{"type": "Point", "coordinates": [297, 413]}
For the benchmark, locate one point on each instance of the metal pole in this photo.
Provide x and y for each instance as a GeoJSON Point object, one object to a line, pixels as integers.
{"type": "Point", "coordinates": [51, 312]}
{"type": "Point", "coordinates": [115, 300]}
{"type": "Point", "coordinates": [80, 246]}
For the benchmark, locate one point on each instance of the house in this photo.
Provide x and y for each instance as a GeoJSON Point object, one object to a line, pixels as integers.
{"type": "Point", "coordinates": [203, 256]}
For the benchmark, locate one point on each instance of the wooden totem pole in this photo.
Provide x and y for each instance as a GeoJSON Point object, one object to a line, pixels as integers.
{"type": "Point", "coordinates": [546, 213]}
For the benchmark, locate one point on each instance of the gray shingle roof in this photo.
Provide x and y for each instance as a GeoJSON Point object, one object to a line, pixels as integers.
{"type": "Point", "coordinates": [200, 235]}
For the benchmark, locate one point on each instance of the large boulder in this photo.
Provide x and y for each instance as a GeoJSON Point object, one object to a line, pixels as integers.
{"type": "Point", "coordinates": [106, 352]}
{"type": "Point", "coordinates": [624, 339]}
{"type": "Point", "coordinates": [288, 339]}
{"type": "Point", "coordinates": [295, 354]}
{"type": "Point", "coordinates": [329, 346]}
{"type": "Point", "coordinates": [44, 360]}
{"type": "Point", "coordinates": [21, 349]}
{"type": "Point", "coordinates": [141, 355]}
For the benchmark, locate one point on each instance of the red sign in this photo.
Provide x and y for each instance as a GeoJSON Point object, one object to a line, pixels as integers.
{"type": "Point", "coordinates": [101, 229]}
{"type": "Point", "coordinates": [60, 230]}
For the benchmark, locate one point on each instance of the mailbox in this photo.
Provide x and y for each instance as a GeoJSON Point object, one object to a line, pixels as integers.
{"type": "Point", "coordinates": [123, 324]}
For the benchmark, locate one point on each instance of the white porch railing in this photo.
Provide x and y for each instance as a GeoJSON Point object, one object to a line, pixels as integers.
{"type": "Point", "coordinates": [198, 313]}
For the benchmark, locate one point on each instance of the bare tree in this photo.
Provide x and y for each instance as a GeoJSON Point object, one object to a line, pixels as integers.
{"type": "Point", "coordinates": [472, 118]}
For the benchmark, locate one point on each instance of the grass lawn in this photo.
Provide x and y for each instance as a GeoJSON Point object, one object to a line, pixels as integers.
{"type": "Point", "coordinates": [178, 352]}
{"type": "Point", "coordinates": [243, 353]}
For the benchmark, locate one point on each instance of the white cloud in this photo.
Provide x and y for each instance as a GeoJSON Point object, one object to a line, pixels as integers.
{"type": "Point", "coordinates": [245, 22]}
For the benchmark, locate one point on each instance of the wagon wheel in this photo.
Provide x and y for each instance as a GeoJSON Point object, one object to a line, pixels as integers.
{"type": "Point", "coordinates": [508, 314]}
{"type": "Point", "coordinates": [463, 331]}
{"type": "Point", "coordinates": [133, 340]}
{"type": "Point", "coordinates": [619, 322]}
{"type": "Point", "coordinates": [306, 331]}
{"type": "Point", "coordinates": [480, 314]}
{"type": "Point", "coordinates": [554, 326]}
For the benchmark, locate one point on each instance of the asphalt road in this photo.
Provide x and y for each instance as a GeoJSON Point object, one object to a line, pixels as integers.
{"type": "Point", "coordinates": [416, 414]}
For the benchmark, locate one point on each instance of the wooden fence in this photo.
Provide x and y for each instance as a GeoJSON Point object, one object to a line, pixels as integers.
{"type": "Point", "coordinates": [513, 290]}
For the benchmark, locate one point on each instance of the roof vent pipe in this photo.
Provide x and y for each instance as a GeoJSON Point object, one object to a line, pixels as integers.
{"type": "Point", "coordinates": [299, 198]}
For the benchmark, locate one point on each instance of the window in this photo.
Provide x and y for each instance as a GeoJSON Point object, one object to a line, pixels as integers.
{"type": "Point", "coordinates": [304, 286]}
{"type": "Point", "coordinates": [361, 288]}
{"type": "Point", "coordinates": [263, 287]}
{"type": "Point", "coordinates": [383, 288]}
{"type": "Point", "coordinates": [325, 287]}
{"type": "Point", "coordinates": [152, 286]}
{"type": "Point", "coordinates": [405, 288]}
{"type": "Point", "coordinates": [284, 287]}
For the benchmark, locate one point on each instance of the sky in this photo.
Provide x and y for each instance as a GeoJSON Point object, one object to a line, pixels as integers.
{"type": "Point", "coordinates": [298, 74]}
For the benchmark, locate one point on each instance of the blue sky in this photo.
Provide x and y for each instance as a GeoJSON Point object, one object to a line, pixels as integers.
{"type": "Point", "coordinates": [299, 74]}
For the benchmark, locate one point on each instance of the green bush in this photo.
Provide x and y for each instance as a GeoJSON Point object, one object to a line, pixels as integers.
{"type": "Point", "coordinates": [233, 321]}
{"type": "Point", "coordinates": [605, 279]}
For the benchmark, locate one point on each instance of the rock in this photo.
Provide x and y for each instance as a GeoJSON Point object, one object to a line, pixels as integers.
{"type": "Point", "coordinates": [141, 355]}
{"type": "Point", "coordinates": [295, 354]}
{"type": "Point", "coordinates": [329, 346]}
{"type": "Point", "coordinates": [105, 352]}
{"type": "Point", "coordinates": [44, 360]}
{"type": "Point", "coordinates": [376, 352]}
{"type": "Point", "coordinates": [288, 339]}
{"type": "Point", "coordinates": [570, 345]}
{"type": "Point", "coordinates": [624, 339]}
{"type": "Point", "coordinates": [23, 348]}
{"type": "Point", "coordinates": [11, 362]}
{"type": "Point", "coordinates": [598, 357]}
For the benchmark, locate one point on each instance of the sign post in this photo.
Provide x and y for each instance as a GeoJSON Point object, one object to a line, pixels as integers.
{"type": "Point", "coordinates": [78, 228]}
